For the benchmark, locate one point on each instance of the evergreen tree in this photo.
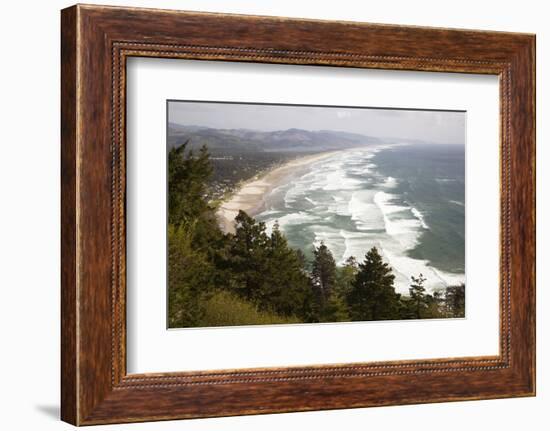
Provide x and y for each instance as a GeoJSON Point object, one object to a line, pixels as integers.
{"type": "Point", "coordinates": [188, 177]}
{"type": "Point", "coordinates": [335, 310]}
{"type": "Point", "coordinates": [372, 296]}
{"type": "Point", "coordinates": [265, 270]}
{"type": "Point", "coordinates": [345, 276]}
{"type": "Point", "coordinates": [455, 301]}
{"type": "Point", "coordinates": [417, 293]}
{"type": "Point", "coordinates": [287, 289]}
{"type": "Point", "coordinates": [190, 279]}
{"type": "Point", "coordinates": [192, 236]}
{"type": "Point", "coordinates": [434, 305]}
{"type": "Point", "coordinates": [323, 274]}
{"type": "Point", "coordinates": [247, 258]}
{"type": "Point", "coordinates": [301, 257]}
{"type": "Point", "coordinates": [328, 304]}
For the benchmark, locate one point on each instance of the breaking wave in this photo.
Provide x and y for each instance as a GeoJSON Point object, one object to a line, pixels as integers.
{"type": "Point", "coordinates": [344, 202]}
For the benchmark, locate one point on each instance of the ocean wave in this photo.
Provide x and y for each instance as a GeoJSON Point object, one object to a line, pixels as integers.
{"type": "Point", "coordinates": [449, 278]}
{"type": "Point", "coordinates": [461, 204]}
{"type": "Point", "coordinates": [420, 217]}
{"type": "Point", "coordinates": [343, 202]}
{"type": "Point", "coordinates": [390, 183]}
{"type": "Point", "coordinates": [364, 212]}
{"type": "Point", "coordinates": [311, 201]}
{"type": "Point", "coordinates": [404, 267]}
{"type": "Point", "coordinates": [332, 238]}
{"type": "Point", "coordinates": [292, 219]}
{"type": "Point", "coordinates": [405, 230]}
{"type": "Point", "coordinates": [270, 212]}
{"type": "Point", "coordinates": [338, 204]}
{"type": "Point", "coordinates": [338, 180]}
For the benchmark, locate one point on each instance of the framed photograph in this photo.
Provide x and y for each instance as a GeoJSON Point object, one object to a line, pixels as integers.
{"type": "Point", "coordinates": [265, 215]}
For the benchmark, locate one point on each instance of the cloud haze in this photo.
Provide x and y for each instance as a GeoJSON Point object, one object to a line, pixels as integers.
{"type": "Point", "coordinates": [444, 127]}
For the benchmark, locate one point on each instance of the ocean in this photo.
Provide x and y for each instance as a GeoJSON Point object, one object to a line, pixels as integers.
{"type": "Point", "coordinates": [408, 200]}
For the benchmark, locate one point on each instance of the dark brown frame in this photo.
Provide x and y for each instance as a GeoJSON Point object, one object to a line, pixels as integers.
{"type": "Point", "coordinates": [95, 43]}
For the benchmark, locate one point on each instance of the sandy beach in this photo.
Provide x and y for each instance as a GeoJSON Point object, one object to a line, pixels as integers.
{"type": "Point", "coordinates": [250, 196]}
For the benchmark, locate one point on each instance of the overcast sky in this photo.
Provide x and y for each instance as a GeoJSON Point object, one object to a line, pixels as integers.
{"type": "Point", "coordinates": [432, 126]}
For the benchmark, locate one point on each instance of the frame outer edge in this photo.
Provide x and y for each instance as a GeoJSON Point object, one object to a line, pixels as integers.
{"type": "Point", "coordinates": [533, 53]}
{"type": "Point", "coordinates": [69, 211]}
{"type": "Point", "coordinates": [523, 207]}
{"type": "Point", "coordinates": [531, 84]}
{"type": "Point", "coordinates": [87, 397]}
{"type": "Point", "coordinates": [532, 101]}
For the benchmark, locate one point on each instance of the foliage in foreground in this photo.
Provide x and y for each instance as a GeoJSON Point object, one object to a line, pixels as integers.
{"type": "Point", "coordinates": [224, 308]}
{"type": "Point", "coordinates": [254, 278]}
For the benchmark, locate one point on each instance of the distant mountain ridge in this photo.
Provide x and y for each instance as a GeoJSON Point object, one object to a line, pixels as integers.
{"type": "Point", "coordinates": [289, 140]}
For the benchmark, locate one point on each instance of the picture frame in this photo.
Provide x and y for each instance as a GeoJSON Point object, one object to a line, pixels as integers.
{"type": "Point", "coordinates": [96, 42]}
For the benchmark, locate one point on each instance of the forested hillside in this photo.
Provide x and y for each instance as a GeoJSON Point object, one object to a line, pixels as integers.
{"type": "Point", "coordinates": [239, 154]}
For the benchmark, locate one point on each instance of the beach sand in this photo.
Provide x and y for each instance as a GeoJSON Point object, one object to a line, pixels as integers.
{"type": "Point", "coordinates": [250, 196]}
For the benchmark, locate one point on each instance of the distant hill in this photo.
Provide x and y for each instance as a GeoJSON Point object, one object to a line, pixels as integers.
{"type": "Point", "coordinates": [290, 140]}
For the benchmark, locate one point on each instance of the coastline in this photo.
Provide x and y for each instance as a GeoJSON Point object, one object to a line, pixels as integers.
{"type": "Point", "coordinates": [250, 196]}
{"type": "Point", "coordinates": [255, 196]}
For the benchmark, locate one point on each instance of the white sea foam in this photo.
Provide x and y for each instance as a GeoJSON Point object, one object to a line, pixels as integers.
{"type": "Point", "coordinates": [301, 217]}
{"type": "Point", "coordinates": [385, 202]}
{"type": "Point", "coordinates": [344, 185]}
{"type": "Point", "coordinates": [390, 183]}
{"type": "Point", "coordinates": [284, 221]}
{"type": "Point", "coordinates": [337, 180]}
{"type": "Point", "coordinates": [311, 201]}
{"type": "Point", "coordinates": [356, 244]}
{"type": "Point", "coordinates": [420, 217]}
{"type": "Point", "coordinates": [332, 238]}
{"type": "Point", "coordinates": [338, 204]}
{"type": "Point", "coordinates": [450, 278]}
{"type": "Point", "coordinates": [460, 204]}
{"type": "Point", "coordinates": [404, 230]}
{"type": "Point", "coordinates": [271, 212]}
{"type": "Point", "coordinates": [404, 267]}
{"type": "Point", "coordinates": [364, 211]}
{"type": "Point", "coordinates": [298, 191]}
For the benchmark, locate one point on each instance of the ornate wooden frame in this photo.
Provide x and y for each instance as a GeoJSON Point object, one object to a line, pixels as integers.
{"type": "Point", "coordinates": [95, 42]}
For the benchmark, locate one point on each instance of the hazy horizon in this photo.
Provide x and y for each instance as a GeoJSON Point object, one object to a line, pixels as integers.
{"type": "Point", "coordinates": [438, 127]}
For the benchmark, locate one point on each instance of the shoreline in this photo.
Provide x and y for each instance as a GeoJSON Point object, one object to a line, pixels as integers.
{"type": "Point", "coordinates": [249, 197]}
{"type": "Point", "coordinates": [253, 196]}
